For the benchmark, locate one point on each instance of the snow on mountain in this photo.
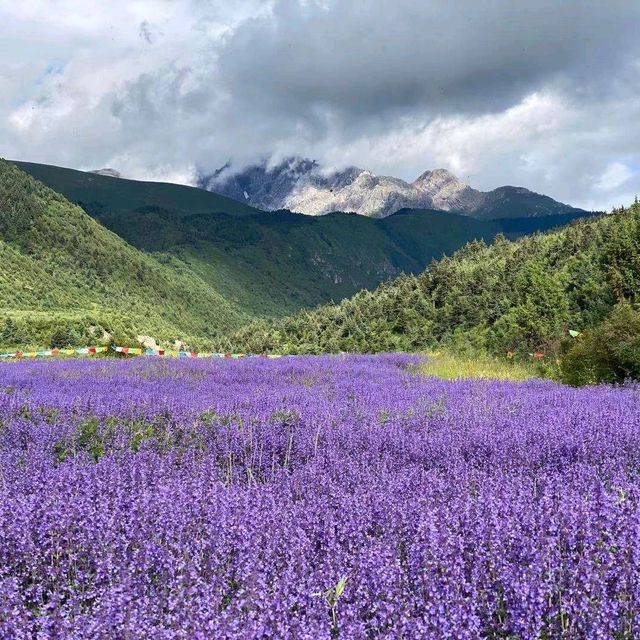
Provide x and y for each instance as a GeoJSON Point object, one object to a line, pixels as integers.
{"type": "Point", "coordinates": [361, 192]}
{"type": "Point", "coordinates": [267, 185]}
{"type": "Point", "coordinates": [303, 186]}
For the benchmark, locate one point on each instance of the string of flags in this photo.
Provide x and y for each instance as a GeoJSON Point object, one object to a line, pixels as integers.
{"type": "Point", "coordinates": [131, 351]}
{"type": "Point", "coordinates": [48, 353]}
{"type": "Point", "coordinates": [170, 353]}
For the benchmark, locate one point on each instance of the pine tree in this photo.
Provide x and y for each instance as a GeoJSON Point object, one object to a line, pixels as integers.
{"type": "Point", "coordinates": [9, 333]}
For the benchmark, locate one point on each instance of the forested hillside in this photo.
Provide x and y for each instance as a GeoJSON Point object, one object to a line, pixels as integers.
{"type": "Point", "coordinates": [93, 189]}
{"type": "Point", "coordinates": [197, 275]}
{"type": "Point", "coordinates": [273, 263]}
{"type": "Point", "coordinates": [60, 271]}
{"type": "Point", "coordinates": [518, 297]}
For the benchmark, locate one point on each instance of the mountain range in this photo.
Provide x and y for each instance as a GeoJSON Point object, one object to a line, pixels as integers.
{"type": "Point", "coordinates": [303, 186]}
{"type": "Point", "coordinates": [83, 249]}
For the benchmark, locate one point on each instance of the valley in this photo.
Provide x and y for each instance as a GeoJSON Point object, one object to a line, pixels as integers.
{"type": "Point", "coordinates": [244, 263]}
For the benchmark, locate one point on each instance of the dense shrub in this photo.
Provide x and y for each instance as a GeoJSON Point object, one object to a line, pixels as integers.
{"type": "Point", "coordinates": [9, 334]}
{"type": "Point", "coordinates": [518, 297]}
{"type": "Point", "coordinates": [608, 353]}
{"type": "Point", "coordinates": [64, 337]}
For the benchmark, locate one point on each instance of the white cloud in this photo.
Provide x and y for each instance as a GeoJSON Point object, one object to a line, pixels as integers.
{"type": "Point", "coordinates": [615, 174]}
{"type": "Point", "coordinates": [506, 94]}
{"type": "Point", "coordinates": [462, 144]}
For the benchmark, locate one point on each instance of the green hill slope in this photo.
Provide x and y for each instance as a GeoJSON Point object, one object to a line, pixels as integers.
{"type": "Point", "coordinates": [516, 202]}
{"type": "Point", "coordinates": [91, 189]}
{"type": "Point", "coordinates": [511, 296]}
{"type": "Point", "coordinates": [277, 263]}
{"type": "Point", "coordinates": [271, 264]}
{"type": "Point", "coordinates": [60, 269]}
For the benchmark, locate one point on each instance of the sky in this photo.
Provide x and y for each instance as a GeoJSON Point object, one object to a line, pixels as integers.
{"type": "Point", "coordinates": [543, 94]}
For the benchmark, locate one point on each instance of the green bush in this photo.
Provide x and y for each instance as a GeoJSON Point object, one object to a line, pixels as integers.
{"type": "Point", "coordinates": [9, 333]}
{"type": "Point", "coordinates": [64, 337]}
{"type": "Point", "coordinates": [608, 353]}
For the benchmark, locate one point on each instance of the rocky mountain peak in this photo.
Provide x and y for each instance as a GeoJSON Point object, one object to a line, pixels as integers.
{"type": "Point", "coordinates": [446, 191]}
{"type": "Point", "coordinates": [435, 177]}
{"type": "Point", "coordinates": [303, 186]}
{"type": "Point", "coordinates": [107, 171]}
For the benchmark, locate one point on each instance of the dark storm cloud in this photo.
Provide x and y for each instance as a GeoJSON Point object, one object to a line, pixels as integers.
{"type": "Point", "coordinates": [468, 56]}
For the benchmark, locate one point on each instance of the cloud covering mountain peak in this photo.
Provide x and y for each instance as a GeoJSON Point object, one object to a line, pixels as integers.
{"type": "Point", "coordinates": [304, 186]}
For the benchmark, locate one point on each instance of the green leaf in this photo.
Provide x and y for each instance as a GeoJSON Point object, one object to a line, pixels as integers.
{"type": "Point", "coordinates": [342, 583]}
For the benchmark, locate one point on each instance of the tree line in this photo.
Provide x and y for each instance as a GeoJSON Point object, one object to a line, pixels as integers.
{"type": "Point", "coordinates": [511, 298]}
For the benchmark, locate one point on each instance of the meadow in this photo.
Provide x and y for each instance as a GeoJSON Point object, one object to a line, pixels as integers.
{"type": "Point", "coordinates": [450, 365]}
{"type": "Point", "coordinates": [314, 497]}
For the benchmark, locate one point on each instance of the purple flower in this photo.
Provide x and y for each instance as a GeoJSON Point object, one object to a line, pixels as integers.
{"type": "Point", "coordinates": [216, 499]}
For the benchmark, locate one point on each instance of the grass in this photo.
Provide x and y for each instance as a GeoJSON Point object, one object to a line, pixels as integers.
{"type": "Point", "coordinates": [451, 366]}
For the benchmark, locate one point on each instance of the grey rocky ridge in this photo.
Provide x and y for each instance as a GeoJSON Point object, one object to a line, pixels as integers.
{"type": "Point", "coordinates": [303, 186]}
{"type": "Point", "coordinates": [107, 171]}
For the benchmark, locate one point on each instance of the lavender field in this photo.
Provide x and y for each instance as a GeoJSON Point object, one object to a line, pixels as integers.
{"type": "Point", "coordinates": [314, 498]}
